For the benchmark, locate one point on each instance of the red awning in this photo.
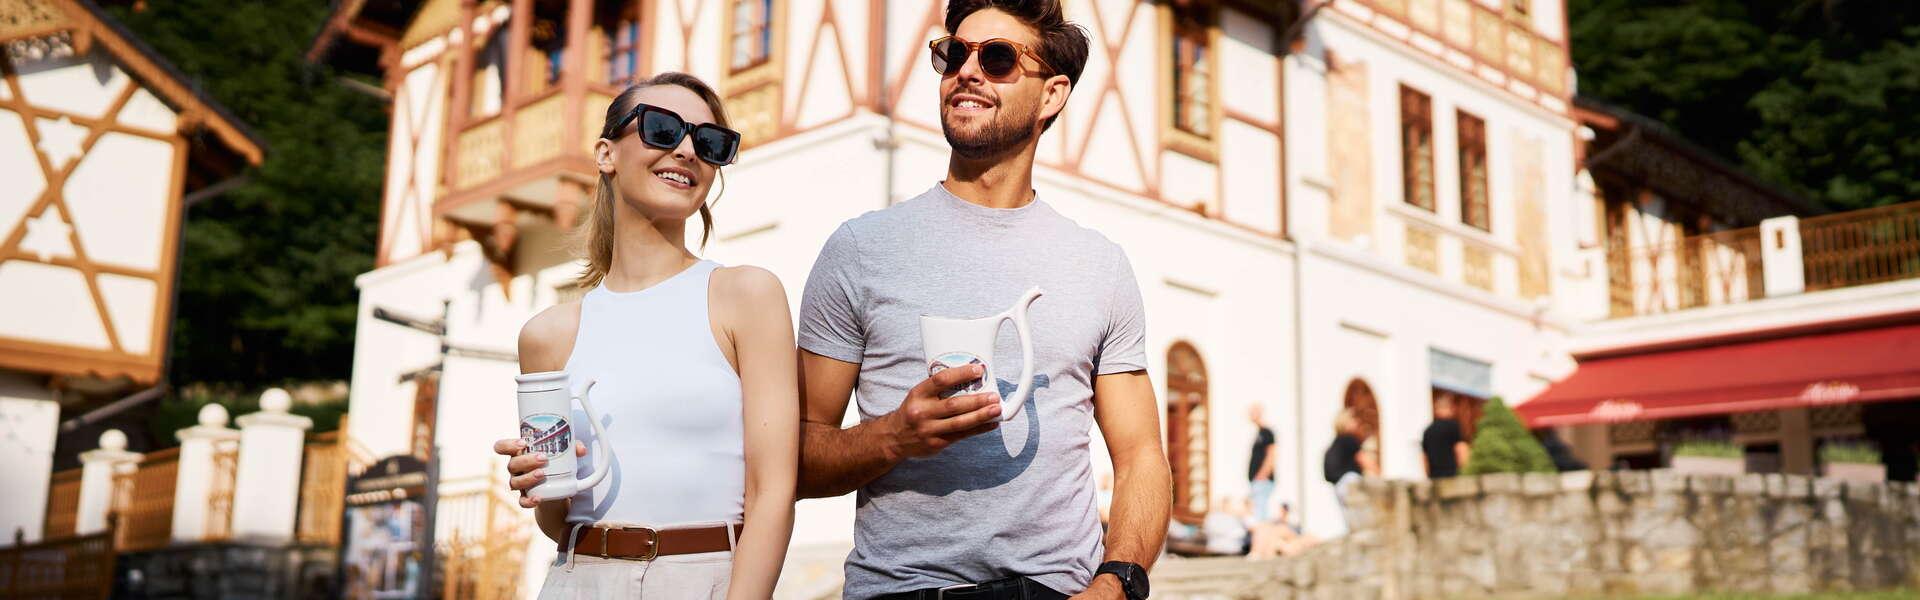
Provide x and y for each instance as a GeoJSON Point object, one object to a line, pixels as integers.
{"type": "Point", "coordinates": [1864, 365]}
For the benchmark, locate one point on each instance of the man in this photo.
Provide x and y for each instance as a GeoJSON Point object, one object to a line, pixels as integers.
{"type": "Point", "coordinates": [949, 497]}
{"type": "Point", "coordinates": [1260, 464]}
{"type": "Point", "coordinates": [1444, 449]}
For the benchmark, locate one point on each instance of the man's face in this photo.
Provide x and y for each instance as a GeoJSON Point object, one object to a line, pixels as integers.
{"type": "Point", "coordinates": [984, 116]}
{"type": "Point", "coordinates": [1443, 407]}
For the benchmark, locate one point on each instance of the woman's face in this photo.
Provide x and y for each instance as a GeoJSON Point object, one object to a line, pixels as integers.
{"type": "Point", "coordinates": [645, 176]}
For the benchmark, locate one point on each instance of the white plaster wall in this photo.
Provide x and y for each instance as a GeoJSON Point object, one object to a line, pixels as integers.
{"type": "Point", "coordinates": [60, 310]}
{"type": "Point", "coordinates": [29, 417]}
{"type": "Point", "coordinates": [1250, 83]}
{"type": "Point", "coordinates": [82, 85]}
{"type": "Point", "coordinates": [21, 169]}
{"type": "Point", "coordinates": [119, 199]}
{"type": "Point", "coordinates": [1250, 176]}
{"type": "Point", "coordinates": [1365, 317]}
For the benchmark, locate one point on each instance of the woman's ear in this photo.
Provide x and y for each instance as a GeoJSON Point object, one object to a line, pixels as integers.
{"type": "Point", "coordinates": [604, 156]}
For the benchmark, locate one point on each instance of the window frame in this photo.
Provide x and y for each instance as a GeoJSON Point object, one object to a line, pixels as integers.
{"type": "Point", "coordinates": [1416, 117]}
{"type": "Point", "coordinates": [765, 34]}
{"type": "Point", "coordinates": [627, 21]}
{"type": "Point", "coordinates": [1471, 148]}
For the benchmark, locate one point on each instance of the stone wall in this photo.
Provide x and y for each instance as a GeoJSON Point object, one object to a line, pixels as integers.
{"type": "Point", "coordinates": [1603, 533]}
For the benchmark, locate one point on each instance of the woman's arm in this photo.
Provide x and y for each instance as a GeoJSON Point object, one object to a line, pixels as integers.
{"type": "Point", "coordinates": [761, 328]}
{"type": "Point", "coordinates": [545, 343]}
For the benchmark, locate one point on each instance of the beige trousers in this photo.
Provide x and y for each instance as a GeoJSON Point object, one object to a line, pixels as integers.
{"type": "Point", "coordinates": [690, 576]}
{"type": "Point", "coordinates": [665, 578]}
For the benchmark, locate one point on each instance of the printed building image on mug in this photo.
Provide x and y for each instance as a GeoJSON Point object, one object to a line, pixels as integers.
{"type": "Point", "coordinates": [958, 359]}
{"type": "Point", "coordinates": [547, 434]}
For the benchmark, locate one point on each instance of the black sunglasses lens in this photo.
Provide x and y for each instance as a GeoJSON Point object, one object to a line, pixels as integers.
{"type": "Point", "coordinates": [661, 130]}
{"type": "Point", "coordinates": [998, 58]}
{"type": "Point", "coordinates": [948, 56]}
{"type": "Point", "coordinates": [715, 145]}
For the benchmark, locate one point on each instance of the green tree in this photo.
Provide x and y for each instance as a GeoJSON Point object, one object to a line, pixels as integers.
{"type": "Point", "coordinates": [1805, 94]}
{"type": "Point", "coordinates": [266, 289]}
{"type": "Point", "coordinates": [1502, 445]}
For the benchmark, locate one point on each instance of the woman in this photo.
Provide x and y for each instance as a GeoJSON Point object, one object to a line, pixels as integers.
{"type": "Point", "coordinates": [1346, 459]}
{"type": "Point", "coordinates": [694, 371]}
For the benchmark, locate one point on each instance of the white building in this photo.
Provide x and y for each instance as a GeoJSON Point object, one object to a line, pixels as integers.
{"type": "Point", "coordinates": [1263, 195]}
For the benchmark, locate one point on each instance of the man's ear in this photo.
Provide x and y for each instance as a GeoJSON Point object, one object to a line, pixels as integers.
{"type": "Point", "coordinates": [604, 156]}
{"type": "Point", "coordinates": [1055, 98]}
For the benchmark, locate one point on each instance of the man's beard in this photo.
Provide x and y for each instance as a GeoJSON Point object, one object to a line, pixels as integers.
{"type": "Point", "coordinates": [1005, 132]}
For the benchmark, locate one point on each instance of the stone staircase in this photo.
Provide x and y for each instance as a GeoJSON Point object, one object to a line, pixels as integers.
{"type": "Point", "coordinates": [1212, 578]}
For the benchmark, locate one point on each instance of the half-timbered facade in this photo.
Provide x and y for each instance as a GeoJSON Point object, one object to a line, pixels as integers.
{"type": "Point", "coordinates": [1247, 154]}
{"type": "Point", "coordinates": [102, 147]}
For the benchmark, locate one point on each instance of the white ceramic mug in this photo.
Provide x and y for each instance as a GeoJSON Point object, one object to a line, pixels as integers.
{"type": "Point", "coordinates": [545, 424]}
{"type": "Point", "coordinates": [952, 343]}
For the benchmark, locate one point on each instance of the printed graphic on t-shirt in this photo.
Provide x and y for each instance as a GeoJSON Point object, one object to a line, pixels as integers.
{"type": "Point", "coordinates": [546, 433]}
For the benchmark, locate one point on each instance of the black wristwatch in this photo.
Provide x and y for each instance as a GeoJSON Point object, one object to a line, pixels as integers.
{"type": "Point", "coordinates": [1133, 579]}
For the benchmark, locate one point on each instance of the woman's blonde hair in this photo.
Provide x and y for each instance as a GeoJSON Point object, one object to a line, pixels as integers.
{"type": "Point", "coordinates": [595, 241]}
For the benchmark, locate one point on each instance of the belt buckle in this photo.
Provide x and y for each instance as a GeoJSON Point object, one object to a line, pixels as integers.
{"type": "Point", "coordinates": [941, 594]}
{"type": "Point", "coordinates": [653, 541]}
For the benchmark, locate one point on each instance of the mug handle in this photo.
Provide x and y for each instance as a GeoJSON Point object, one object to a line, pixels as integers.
{"type": "Point", "coordinates": [599, 443]}
{"type": "Point", "coordinates": [1024, 386]}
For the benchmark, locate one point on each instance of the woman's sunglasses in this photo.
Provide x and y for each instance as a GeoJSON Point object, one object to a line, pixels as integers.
{"type": "Point", "coordinates": [998, 56]}
{"type": "Point", "coordinates": [663, 129]}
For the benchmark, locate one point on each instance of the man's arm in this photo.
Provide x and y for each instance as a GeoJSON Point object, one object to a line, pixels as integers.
{"type": "Point", "coordinates": [1461, 452]}
{"type": "Point", "coordinates": [835, 461]}
{"type": "Point", "coordinates": [1129, 420]}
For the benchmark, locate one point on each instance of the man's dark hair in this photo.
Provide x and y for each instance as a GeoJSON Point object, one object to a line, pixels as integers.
{"type": "Point", "coordinates": [1062, 44]}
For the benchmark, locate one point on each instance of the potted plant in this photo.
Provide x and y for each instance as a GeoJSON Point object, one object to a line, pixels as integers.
{"type": "Point", "coordinates": [1852, 462]}
{"type": "Point", "coordinates": [1709, 457]}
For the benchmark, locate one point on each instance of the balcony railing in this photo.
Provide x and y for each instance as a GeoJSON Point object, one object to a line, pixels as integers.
{"type": "Point", "coordinates": [512, 143]}
{"type": "Point", "coordinates": [1840, 250]}
{"type": "Point", "coordinates": [1862, 246]}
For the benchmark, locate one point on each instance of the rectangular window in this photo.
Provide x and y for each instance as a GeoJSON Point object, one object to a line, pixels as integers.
{"type": "Point", "coordinates": [1473, 173]}
{"type": "Point", "coordinates": [752, 35]}
{"type": "Point", "coordinates": [1192, 71]}
{"type": "Point", "coordinates": [1416, 147]}
{"type": "Point", "coordinates": [623, 56]}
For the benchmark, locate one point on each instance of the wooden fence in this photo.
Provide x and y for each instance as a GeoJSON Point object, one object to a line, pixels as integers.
{"type": "Point", "coordinates": [68, 568]}
{"type": "Point", "coordinates": [484, 544]}
{"type": "Point", "coordinates": [323, 482]}
{"type": "Point", "coordinates": [144, 499]}
{"type": "Point", "coordinates": [1861, 247]}
{"type": "Point", "coordinates": [1722, 267]}
{"type": "Point", "coordinates": [63, 504]}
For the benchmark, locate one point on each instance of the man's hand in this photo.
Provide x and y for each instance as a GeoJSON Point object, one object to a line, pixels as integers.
{"type": "Point", "coordinates": [925, 423]}
{"type": "Point", "coordinates": [1104, 587]}
{"type": "Point", "coordinates": [527, 469]}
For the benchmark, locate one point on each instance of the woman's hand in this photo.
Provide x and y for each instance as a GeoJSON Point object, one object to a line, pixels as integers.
{"type": "Point", "coordinates": [525, 470]}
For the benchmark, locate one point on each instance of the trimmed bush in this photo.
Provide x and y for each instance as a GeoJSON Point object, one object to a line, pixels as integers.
{"type": "Point", "coordinates": [1502, 445]}
{"type": "Point", "coordinates": [1855, 453]}
{"type": "Point", "coordinates": [1709, 449]}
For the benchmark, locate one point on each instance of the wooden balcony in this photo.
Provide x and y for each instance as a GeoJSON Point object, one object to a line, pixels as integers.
{"type": "Point", "coordinates": [1840, 250]}
{"type": "Point", "coordinates": [522, 155]}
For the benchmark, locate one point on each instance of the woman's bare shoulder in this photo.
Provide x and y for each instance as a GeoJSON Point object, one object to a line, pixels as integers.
{"type": "Point", "coordinates": [546, 341]}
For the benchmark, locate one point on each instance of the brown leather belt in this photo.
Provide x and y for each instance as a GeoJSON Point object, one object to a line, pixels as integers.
{"type": "Point", "coordinates": [642, 543]}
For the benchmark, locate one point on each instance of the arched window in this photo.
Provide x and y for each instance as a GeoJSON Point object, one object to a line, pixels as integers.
{"type": "Point", "coordinates": [1360, 401]}
{"type": "Point", "coordinates": [1187, 432]}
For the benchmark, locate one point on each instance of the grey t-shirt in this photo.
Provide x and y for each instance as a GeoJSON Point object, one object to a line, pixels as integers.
{"type": "Point", "coordinates": [1018, 500]}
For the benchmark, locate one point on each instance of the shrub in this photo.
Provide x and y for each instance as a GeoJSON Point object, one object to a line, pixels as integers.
{"type": "Point", "coordinates": [1709, 449]}
{"type": "Point", "coordinates": [1849, 453]}
{"type": "Point", "coordinates": [1502, 445]}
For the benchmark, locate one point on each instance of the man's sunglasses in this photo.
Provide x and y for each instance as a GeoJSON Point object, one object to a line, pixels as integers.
{"type": "Point", "coordinates": [663, 129]}
{"type": "Point", "coordinates": [998, 56]}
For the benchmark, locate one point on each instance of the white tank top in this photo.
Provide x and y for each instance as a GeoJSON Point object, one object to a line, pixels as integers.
{"type": "Point", "coordinates": [670, 404]}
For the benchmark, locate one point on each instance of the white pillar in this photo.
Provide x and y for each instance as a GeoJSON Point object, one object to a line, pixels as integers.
{"type": "Point", "coordinates": [97, 471]}
{"type": "Point", "coordinates": [29, 419]}
{"type": "Point", "coordinates": [193, 486]}
{"type": "Point", "coordinates": [1780, 257]}
{"type": "Point", "coordinates": [266, 486]}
